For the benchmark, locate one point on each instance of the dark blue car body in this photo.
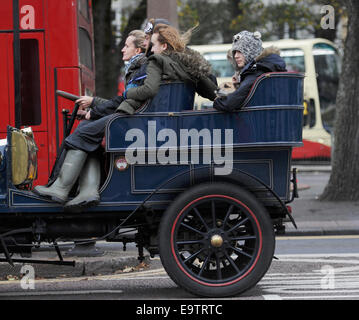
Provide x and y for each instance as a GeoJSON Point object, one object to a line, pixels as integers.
{"type": "Point", "coordinates": [263, 135]}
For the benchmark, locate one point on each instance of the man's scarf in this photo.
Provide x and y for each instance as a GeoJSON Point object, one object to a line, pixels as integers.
{"type": "Point", "coordinates": [132, 61]}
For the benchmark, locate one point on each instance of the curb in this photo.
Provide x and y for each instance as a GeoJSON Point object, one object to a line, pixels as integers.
{"type": "Point", "coordinates": [328, 228]}
{"type": "Point", "coordinates": [323, 232]}
{"type": "Point", "coordinates": [302, 187]}
{"type": "Point", "coordinates": [110, 263]}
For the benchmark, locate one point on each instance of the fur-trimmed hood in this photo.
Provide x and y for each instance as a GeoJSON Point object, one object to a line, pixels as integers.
{"type": "Point", "coordinates": [193, 63]}
{"type": "Point", "coordinates": [267, 52]}
{"type": "Point", "coordinates": [270, 60]}
{"type": "Point", "coordinates": [189, 65]}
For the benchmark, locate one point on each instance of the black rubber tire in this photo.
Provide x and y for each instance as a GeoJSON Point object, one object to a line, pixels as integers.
{"type": "Point", "coordinates": [198, 240]}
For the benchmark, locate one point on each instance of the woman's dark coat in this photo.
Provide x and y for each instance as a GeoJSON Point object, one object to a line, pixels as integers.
{"type": "Point", "coordinates": [268, 61]}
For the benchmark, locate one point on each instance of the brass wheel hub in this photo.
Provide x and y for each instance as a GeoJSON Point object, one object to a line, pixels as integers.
{"type": "Point", "coordinates": [216, 241]}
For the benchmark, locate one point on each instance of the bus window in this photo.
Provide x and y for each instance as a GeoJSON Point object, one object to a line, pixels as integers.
{"type": "Point", "coordinates": [85, 48]}
{"type": "Point", "coordinates": [220, 66]}
{"type": "Point", "coordinates": [294, 59]}
{"type": "Point", "coordinates": [327, 69]}
{"type": "Point", "coordinates": [30, 83]}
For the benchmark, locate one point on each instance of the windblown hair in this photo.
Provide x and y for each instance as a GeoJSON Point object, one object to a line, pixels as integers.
{"type": "Point", "coordinates": [186, 37]}
{"type": "Point", "coordinates": [170, 36]}
{"type": "Point", "coordinates": [139, 40]}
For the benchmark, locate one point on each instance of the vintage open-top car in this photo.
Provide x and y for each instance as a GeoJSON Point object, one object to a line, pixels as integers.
{"type": "Point", "coordinates": [206, 190]}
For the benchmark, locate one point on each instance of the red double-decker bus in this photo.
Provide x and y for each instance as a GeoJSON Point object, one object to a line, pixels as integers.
{"type": "Point", "coordinates": [45, 45]}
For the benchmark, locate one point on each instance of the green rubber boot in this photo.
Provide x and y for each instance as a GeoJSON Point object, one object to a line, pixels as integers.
{"type": "Point", "coordinates": [89, 184]}
{"type": "Point", "coordinates": [68, 175]}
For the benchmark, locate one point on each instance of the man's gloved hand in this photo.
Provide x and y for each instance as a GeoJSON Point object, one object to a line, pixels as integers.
{"type": "Point", "coordinates": [118, 110]}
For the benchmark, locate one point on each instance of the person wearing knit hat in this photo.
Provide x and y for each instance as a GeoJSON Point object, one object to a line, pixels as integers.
{"type": "Point", "coordinates": [248, 43]}
{"type": "Point", "coordinates": [246, 46]}
{"type": "Point", "coordinates": [250, 61]}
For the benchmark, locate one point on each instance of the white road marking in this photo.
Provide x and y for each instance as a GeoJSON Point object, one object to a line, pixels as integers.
{"type": "Point", "coordinates": [317, 237]}
{"type": "Point", "coordinates": [311, 285]}
{"type": "Point", "coordinates": [58, 293]}
{"type": "Point", "coordinates": [271, 297]}
{"type": "Point", "coordinates": [319, 255]}
{"type": "Point", "coordinates": [274, 286]}
{"type": "Point", "coordinates": [319, 260]}
{"type": "Point", "coordinates": [327, 297]}
{"type": "Point", "coordinates": [344, 269]}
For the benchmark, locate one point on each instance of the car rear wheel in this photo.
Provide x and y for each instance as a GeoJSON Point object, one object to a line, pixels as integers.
{"type": "Point", "coordinates": [216, 240]}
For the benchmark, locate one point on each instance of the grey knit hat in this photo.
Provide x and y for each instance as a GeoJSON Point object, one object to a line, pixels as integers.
{"type": "Point", "coordinates": [248, 43]}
